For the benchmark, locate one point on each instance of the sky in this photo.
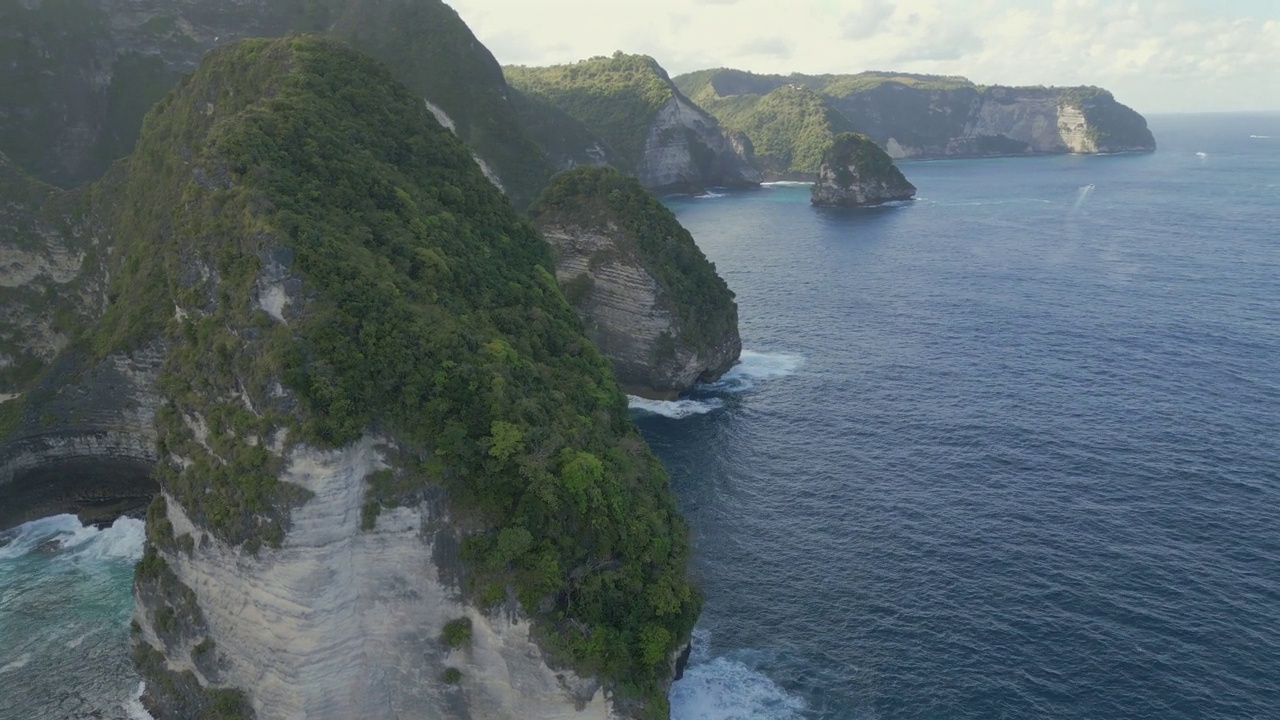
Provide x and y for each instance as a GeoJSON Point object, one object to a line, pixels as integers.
{"type": "Point", "coordinates": [1155, 55]}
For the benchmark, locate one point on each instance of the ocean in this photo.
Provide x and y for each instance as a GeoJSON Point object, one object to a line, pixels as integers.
{"type": "Point", "coordinates": [1010, 450]}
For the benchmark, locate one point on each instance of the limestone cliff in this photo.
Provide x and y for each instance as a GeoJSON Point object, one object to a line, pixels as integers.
{"type": "Point", "coordinates": [647, 295]}
{"type": "Point", "coordinates": [654, 132]}
{"type": "Point", "coordinates": [396, 478]}
{"type": "Point", "coordinates": [919, 116]}
{"type": "Point", "coordinates": [81, 75]}
{"type": "Point", "coordinates": [856, 172]}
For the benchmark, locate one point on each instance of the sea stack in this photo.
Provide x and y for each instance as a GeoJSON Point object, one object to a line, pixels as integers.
{"type": "Point", "coordinates": [649, 298]}
{"type": "Point", "coordinates": [856, 172]}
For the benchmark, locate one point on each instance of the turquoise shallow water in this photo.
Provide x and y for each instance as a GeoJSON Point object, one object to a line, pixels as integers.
{"type": "Point", "coordinates": [65, 604]}
{"type": "Point", "coordinates": [1008, 451]}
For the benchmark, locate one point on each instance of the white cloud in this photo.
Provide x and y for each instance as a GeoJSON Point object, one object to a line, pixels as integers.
{"type": "Point", "coordinates": [1155, 54]}
{"type": "Point", "coordinates": [865, 18]}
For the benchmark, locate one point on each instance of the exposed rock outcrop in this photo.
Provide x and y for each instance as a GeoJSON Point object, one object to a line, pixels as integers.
{"type": "Point", "coordinates": [915, 116]}
{"type": "Point", "coordinates": [653, 131]}
{"type": "Point", "coordinates": [344, 621]}
{"type": "Point", "coordinates": [856, 172]}
{"type": "Point", "coordinates": [649, 298]}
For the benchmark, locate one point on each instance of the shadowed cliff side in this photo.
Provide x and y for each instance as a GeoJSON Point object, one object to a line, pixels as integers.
{"type": "Point", "coordinates": [80, 75]}
{"type": "Point", "coordinates": [650, 300]}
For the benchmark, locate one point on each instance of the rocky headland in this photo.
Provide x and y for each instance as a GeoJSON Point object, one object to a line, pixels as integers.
{"type": "Point", "coordinates": [790, 118]}
{"type": "Point", "coordinates": [648, 297]}
{"type": "Point", "coordinates": [653, 131]}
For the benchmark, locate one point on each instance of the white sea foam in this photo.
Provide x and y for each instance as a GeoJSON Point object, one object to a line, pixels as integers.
{"type": "Point", "coordinates": [755, 366]}
{"type": "Point", "coordinates": [725, 688]}
{"type": "Point", "coordinates": [133, 706]}
{"type": "Point", "coordinates": [18, 664]}
{"type": "Point", "coordinates": [674, 409]}
{"type": "Point", "coordinates": [1260, 137]}
{"type": "Point", "coordinates": [786, 183]}
{"type": "Point", "coordinates": [710, 195]}
{"type": "Point", "coordinates": [1202, 155]}
{"type": "Point", "coordinates": [751, 368]}
{"type": "Point", "coordinates": [28, 536]}
{"type": "Point", "coordinates": [122, 541]}
{"type": "Point", "coordinates": [73, 644]}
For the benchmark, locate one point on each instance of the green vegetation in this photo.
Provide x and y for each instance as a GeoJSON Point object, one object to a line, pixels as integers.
{"type": "Point", "coordinates": [189, 698]}
{"type": "Point", "coordinates": [792, 119]}
{"type": "Point", "coordinates": [431, 50]}
{"type": "Point", "coordinates": [843, 85]}
{"type": "Point", "coordinates": [451, 676]}
{"type": "Point", "coordinates": [856, 150]}
{"type": "Point", "coordinates": [457, 632]}
{"type": "Point", "coordinates": [597, 196]}
{"type": "Point", "coordinates": [49, 48]}
{"type": "Point", "coordinates": [431, 313]}
{"type": "Point", "coordinates": [616, 97]}
{"type": "Point", "coordinates": [789, 126]}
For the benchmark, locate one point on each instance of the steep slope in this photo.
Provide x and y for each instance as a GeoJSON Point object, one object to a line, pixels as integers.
{"type": "Point", "coordinates": [656, 133]}
{"type": "Point", "coordinates": [397, 479]}
{"type": "Point", "coordinates": [81, 73]}
{"type": "Point", "coordinates": [789, 126]}
{"type": "Point", "coordinates": [855, 172]}
{"type": "Point", "coordinates": [650, 300]}
{"type": "Point", "coordinates": [915, 116]}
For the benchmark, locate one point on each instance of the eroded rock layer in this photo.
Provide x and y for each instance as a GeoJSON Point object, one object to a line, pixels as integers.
{"type": "Point", "coordinates": [649, 298]}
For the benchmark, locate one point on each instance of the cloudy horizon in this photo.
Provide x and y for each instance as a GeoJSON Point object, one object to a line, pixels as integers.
{"type": "Point", "coordinates": [1156, 56]}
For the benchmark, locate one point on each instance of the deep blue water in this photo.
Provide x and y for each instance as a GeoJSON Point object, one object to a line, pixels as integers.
{"type": "Point", "coordinates": [1008, 451]}
{"type": "Point", "coordinates": [1026, 459]}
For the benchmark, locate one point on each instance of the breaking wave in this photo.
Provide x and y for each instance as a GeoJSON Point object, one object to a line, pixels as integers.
{"type": "Point", "coordinates": [64, 534]}
{"type": "Point", "coordinates": [725, 688]}
{"type": "Point", "coordinates": [752, 368]}
{"type": "Point", "coordinates": [674, 409]}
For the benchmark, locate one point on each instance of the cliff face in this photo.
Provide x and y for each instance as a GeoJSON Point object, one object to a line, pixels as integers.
{"type": "Point", "coordinates": [651, 129]}
{"type": "Point", "coordinates": [965, 121]}
{"type": "Point", "coordinates": [76, 431]}
{"type": "Point", "coordinates": [83, 74]}
{"type": "Point", "coordinates": [856, 172]}
{"type": "Point", "coordinates": [921, 116]}
{"type": "Point", "coordinates": [345, 620]}
{"type": "Point", "coordinates": [396, 479]}
{"type": "Point", "coordinates": [648, 297]}
{"type": "Point", "coordinates": [687, 151]}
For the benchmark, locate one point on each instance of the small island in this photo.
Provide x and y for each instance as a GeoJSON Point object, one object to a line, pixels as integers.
{"type": "Point", "coordinates": [855, 172]}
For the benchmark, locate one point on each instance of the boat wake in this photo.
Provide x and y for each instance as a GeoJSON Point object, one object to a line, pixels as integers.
{"type": "Point", "coordinates": [752, 368]}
